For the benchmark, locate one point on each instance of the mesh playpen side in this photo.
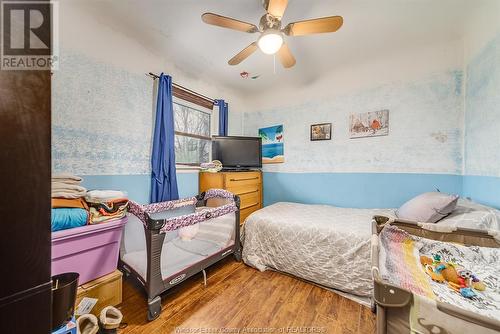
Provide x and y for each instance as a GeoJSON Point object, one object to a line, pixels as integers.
{"type": "Point", "coordinates": [396, 306]}
{"type": "Point", "coordinates": [166, 243]}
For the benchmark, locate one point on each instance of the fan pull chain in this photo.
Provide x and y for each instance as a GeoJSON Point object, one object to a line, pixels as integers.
{"type": "Point", "coordinates": [274, 63]}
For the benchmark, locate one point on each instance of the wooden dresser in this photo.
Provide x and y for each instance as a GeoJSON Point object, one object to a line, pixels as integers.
{"type": "Point", "coordinates": [247, 185]}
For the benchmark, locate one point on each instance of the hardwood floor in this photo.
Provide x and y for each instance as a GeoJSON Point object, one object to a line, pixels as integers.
{"type": "Point", "coordinates": [240, 299]}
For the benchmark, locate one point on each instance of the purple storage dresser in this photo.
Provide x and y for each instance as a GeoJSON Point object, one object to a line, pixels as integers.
{"type": "Point", "coordinates": [91, 250]}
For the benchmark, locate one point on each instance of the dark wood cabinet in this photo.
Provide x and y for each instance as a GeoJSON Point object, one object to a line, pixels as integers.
{"type": "Point", "coordinates": [25, 167]}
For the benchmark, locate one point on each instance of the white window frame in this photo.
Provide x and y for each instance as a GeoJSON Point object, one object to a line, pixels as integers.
{"type": "Point", "coordinates": [213, 125]}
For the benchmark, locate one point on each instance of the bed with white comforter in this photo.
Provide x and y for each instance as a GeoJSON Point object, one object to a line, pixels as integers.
{"type": "Point", "coordinates": [319, 243]}
{"type": "Point", "coordinates": [329, 245]}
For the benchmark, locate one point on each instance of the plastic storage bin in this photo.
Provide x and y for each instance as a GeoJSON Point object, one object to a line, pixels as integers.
{"type": "Point", "coordinates": [91, 250]}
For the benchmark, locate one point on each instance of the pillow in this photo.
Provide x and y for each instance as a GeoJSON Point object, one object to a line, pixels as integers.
{"type": "Point", "coordinates": [428, 207]}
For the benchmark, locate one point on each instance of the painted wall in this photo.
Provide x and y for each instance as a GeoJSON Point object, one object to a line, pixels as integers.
{"type": "Point", "coordinates": [358, 190]}
{"type": "Point", "coordinates": [482, 106]}
{"type": "Point", "coordinates": [103, 104]}
{"type": "Point", "coordinates": [103, 116]}
{"type": "Point", "coordinates": [423, 151]}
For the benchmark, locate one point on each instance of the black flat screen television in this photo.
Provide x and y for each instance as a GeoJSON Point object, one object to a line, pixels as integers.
{"type": "Point", "coordinates": [237, 152]}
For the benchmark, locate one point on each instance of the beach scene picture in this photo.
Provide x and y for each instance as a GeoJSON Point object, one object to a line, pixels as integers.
{"type": "Point", "coordinates": [272, 144]}
{"type": "Point", "coordinates": [369, 124]}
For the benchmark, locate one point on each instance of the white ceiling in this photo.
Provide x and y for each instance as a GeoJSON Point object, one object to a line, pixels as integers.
{"type": "Point", "coordinates": [371, 28]}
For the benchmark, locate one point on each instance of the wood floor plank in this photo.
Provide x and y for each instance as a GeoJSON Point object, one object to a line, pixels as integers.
{"type": "Point", "coordinates": [189, 302]}
{"type": "Point", "coordinates": [256, 303]}
{"type": "Point", "coordinates": [325, 324]}
{"type": "Point", "coordinates": [330, 305]}
{"type": "Point", "coordinates": [263, 306]}
{"type": "Point", "coordinates": [366, 321]}
{"type": "Point", "coordinates": [175, 302]}
{"type": "Point", "coordinates": [238, 296]}
{"type": "Point", "coordinates": [218, 314]}
{"type": "Point", "coordinates": [348, 318]}
{"type": "Point", "coordinates": [289, 310]}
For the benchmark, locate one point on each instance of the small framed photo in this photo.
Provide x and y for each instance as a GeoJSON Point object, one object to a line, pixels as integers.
{"type": "Point", "coordinates": [321, 131]}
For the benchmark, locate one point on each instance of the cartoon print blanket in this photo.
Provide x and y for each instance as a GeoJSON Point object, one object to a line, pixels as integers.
{"type": "Point", "coordinates": [400, 265]}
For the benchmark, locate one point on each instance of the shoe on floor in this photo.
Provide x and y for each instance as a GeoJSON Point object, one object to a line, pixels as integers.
{"type": "Point", "coordinates": [87, 324]}
{"type": "Point", "coordinates": [110, 319]}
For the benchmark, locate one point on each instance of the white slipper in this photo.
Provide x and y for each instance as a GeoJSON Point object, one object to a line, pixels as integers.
{"type": "Point", "coordinates": [87, 324]}
{"type": "Point", "coordinates": [110, 317]}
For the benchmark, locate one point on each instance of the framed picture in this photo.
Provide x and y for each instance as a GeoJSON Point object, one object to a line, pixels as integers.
{"type": "Point", "coordinates": [369, 124]}
{"type": "Point", "coordinates": [321, 131]}
{"type": "Point", "coordinates": [272, 144]}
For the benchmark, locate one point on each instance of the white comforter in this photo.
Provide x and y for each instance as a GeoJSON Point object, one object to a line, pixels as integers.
{"type": "Point", "coordinates": [323, 244]}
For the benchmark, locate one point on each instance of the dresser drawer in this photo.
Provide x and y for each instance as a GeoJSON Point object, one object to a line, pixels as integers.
{"type": "Point", "coordinates": [248, 196]}
{"type": "Point", "coordinates": [251, 200]}
{"type": "Point", "coordinates": [246, 212]}
{"type": "Point", "coordinates": [239, 179]}
{"type": "Point", "coordinates": [245, 190]}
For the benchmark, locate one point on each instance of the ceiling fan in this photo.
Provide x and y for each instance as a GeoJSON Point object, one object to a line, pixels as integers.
{"type": "Point", "coordinates": [271, 34]}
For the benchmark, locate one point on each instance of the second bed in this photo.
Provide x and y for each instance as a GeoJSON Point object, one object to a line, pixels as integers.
{"type": "Point", "coordinates": [330, 246]}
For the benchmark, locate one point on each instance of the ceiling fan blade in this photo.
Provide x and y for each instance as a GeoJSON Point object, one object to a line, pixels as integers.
{"type": "Point", "coordinates": [285, 56]}
{"type": "Point", "coordinates": [243, 54]}
{"type": "Point", "coordinates": [314, 26]}
{"type": "Point", "coordinates": [276, 7]}
{"type": "Point", "coordinates": [227, 22]}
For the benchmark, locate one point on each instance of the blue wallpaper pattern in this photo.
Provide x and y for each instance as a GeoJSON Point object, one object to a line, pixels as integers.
{"type": "Point", "coordinates": [102, 118]}
{"type": "Point", "coordinates": [482, 112]}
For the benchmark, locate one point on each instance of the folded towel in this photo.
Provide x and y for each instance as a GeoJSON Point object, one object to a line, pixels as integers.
{"type": "Point", "coordinates": [67, 187]}
{"type": "Point", "coordinates": [106, 210]}
{"type": "Point", "coordinates": [69, 203]}
{"type": "Point", "coordinates": [67, 194]}
{"type": "Point", "coordinates": [70, 178]}
{"type": "Point", "coordinates": [101, 196]}
{"type": "Point", "coordinates": [96, 217]}
{"type": "Point", "coordinates": [62, 219]}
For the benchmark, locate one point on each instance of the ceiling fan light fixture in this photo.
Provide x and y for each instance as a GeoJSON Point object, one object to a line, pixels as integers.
{"type": "Point", "coordinates": [270, 41]}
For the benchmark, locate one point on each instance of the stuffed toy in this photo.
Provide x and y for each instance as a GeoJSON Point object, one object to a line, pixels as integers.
{"type": "Point", "coordinates": [425, 260]}
{"type": "Point", "coordinates": [458, 279]}
{"type": "Point", "coordinates": [450, 274]}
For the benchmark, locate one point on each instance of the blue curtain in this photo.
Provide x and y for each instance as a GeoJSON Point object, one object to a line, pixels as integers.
{"type": "Point", "coordinates": [163, 172]}
{"type": "Point", "coordinates": [223, 115]}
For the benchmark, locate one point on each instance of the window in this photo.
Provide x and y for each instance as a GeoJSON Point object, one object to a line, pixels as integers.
{"type": "Point", "coordinates": [192, 133]}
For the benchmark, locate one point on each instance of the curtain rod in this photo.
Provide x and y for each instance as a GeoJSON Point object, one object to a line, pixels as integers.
{"type": "Point", "coordinates": [154, 76]}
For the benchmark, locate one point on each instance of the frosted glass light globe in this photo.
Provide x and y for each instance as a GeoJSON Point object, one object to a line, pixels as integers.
{"type": "Point", "coordinates": [270, 41]}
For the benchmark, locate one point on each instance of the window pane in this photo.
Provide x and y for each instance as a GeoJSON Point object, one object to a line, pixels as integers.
{"type": "Point", "coordinates": [191, 121]}
{"type": "Point", "coordinates": [191, 150]}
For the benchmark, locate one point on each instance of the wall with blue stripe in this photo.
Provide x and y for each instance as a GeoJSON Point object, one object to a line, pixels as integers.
{"type": "Point", "coordinates": [482, 189]}
{"type": "Point", "coordinates": [359, 190]}
{"type": "Point", "coordinates": [103, 116]}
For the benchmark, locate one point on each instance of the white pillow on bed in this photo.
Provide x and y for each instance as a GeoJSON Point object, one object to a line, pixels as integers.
{"type": "Point", "coordinates": [428, 207]}
{"type": "Point", "coordinates": [472, 215]}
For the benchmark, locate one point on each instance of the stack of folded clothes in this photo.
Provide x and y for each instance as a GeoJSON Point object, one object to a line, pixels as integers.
{"type": "Point", "coordinates": [69, 209]}
{"type": "Point", "coordinates": [105, 205]}
{"type": "Point", "coordinates": [67, 186]}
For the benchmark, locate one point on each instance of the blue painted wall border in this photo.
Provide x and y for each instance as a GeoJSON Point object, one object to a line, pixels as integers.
{"type": "Point", "coordinates": [138, 186]}
{"type": "Point", "coordinates": [482, 189]}
{"type": "Point", "coordinates": [357, 190]}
